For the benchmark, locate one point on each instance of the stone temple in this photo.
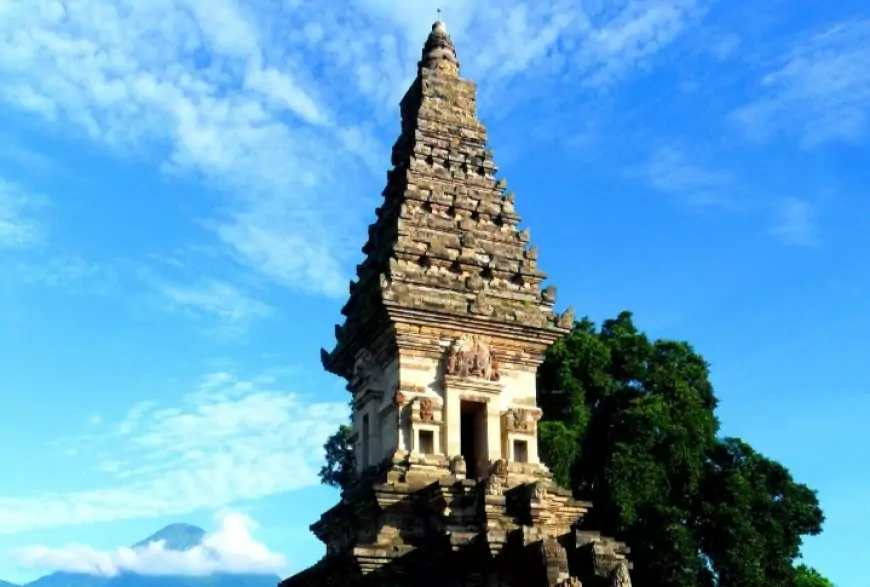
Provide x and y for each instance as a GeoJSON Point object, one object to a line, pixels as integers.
{"type": "Point", "coordinates": [445, 327]}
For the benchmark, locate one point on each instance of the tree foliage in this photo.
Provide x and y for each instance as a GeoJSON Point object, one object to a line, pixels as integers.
{"type": "Point", "coordinates": [696, 509]}
{"type": "Point", "coordinates": [339, 470]}
{"type": "Point", "coordinates": [630, 424]}
{"type": "Point", "coordinates": [807, 577]}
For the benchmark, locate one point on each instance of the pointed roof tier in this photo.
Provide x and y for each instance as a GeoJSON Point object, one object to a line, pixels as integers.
{"type": "Point", "coordinates": [446, 244]}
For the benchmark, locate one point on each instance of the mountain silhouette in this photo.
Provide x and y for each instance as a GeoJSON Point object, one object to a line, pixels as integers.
{"type": "Point", "coordinates": [178, 537]}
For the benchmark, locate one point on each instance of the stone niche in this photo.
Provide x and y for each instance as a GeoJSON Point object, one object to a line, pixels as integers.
{"type": "Point", "coordinates": [373, 421]}
{"type": "Point", "coordinates": [519, 436]}
{"type": "Point", "coordinates": [426, 421]}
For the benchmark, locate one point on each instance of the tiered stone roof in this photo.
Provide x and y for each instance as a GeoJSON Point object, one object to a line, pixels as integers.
{"type": "Point", "coordinates": [446, 240]}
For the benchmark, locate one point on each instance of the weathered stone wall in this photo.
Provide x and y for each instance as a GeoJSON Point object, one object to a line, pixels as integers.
{"type": "Point", "coordinates": [388, 397]}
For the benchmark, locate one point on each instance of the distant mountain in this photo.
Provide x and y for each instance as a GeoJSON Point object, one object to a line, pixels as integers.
{"type": "Point", "coordinates": [176, 537]}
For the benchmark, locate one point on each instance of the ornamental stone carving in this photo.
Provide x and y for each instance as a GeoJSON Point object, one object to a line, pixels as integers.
{"type": "Point", "coordinates": [570, 582]}
{"type": "Point", "coordinates": [549, 294]}
{"type": "Point", "coordinates": [363, 367]}
{"type": "Point", "coordinates": [519, 420]}
{"type": "Point", "coordinates": [555, 560]}
{"type": "Point", "coordinates": [566, 319]}
{"type": "Point", "coordinates": [494, 486]}
{"type": "Point", "coordinates": [427, 410]}
{"type": "Point", "coordinates": [499, 468]}
{"type": "Point", "coordinates": [457, 465]}
{"type": "Point", "coordinates": [620, 576]}
{"type": "Point", "coordinates": [539, 491]}
{"type": "Point", "coordinates": [554, 553]}
{"type": "Point", "coordinates": [471, 357]}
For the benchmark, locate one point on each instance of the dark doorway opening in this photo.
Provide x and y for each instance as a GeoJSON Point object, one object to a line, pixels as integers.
{"type": "Point", "coordinates": [427, 442]}
{"type": "Point", "coordinates": [521, 451]}
{"type": "Point", "coordinates": [473, 438]}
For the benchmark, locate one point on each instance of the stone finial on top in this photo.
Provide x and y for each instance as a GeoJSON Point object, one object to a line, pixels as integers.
{"type": "Point", "coordinates": [439, 54]}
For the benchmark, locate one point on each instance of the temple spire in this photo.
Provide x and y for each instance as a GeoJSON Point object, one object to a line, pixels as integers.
{"type": "Point", "coordinates": [439, 54]}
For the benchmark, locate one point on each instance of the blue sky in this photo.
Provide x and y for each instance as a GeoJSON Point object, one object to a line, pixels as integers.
{"type": "Point", "coordinates": [185, 185]}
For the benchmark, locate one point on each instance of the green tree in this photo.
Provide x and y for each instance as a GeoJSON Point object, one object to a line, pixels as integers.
{"type": "Point", "coordinates": [643, 415]}
{"type": "Point", "coordinates": [807, 577]}
{"type": "Point", "coordinates": [630, 423]}
{"type": "Point", "coordinates": [339, 470]}
{"type": "Point", "coordinates": [753, 516]}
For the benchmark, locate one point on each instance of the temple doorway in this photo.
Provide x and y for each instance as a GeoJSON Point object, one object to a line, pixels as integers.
{"type": "Point", "coordinates": [473, 439]}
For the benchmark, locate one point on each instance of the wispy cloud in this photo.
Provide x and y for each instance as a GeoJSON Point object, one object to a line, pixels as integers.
{"type": "Point", "coordinates": [819, 92]}
{"type": "Point", "coordinates": [671, 171]}
{"type": "Point", "coordinates": [230, 549]}
{"type": "Point", "coordinates": [724, 46]}
{"type": "Point", "coordinates": [17, 154]}
{"type": "Point", "coordinates": [228, 441]}
{"type": "Point", "coordinates": [66, 270]}
{"type": "Point", "coordinates": [234, 310]}
{"type": "Point", "coordinates": [19, 226]}
{"type": "Point", "coordinates": [267, 104]}
{"type": "Point", "coordinates": [794, 222]}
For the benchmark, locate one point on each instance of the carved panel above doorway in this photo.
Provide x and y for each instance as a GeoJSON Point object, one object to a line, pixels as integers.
{"type": "Point", "coordinates": [470, 356]}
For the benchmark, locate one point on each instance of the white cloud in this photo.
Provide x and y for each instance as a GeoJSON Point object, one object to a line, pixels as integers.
{"type": "Point", "coordinates": [228, 441]}
{"type": "Point", "coordinates": [15, 153]}
{"type": "Point", "coordinates": [230, 549]}
{"type": "Point", "coordinates": [235, 310]}
{"type": "Point", "coordinates": [794, 222]}
{"type": "Point", "coordinates": [670, 171]}
{"type": "Point", "coordinates": [724, 47]}
{"type": "Point", "coordinates": [267, 100]}
{"type": "Point", "coordinates": [820, 92]}
{"type": "Point", "coordinates": [66, 271]}
{"type": "Point", "coordinates": [18, 226]}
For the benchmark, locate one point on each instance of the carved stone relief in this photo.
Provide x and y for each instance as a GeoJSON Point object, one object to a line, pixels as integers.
{"type": "Point", "coordinates": [364, 367]}
{"type": "Point", "coordinates": [494, 486]}
{"type": "Point", "coordinates": [555, 559]}
{"type": "Point", "coordinates": [499, 468]}
{"type": "Point", "coordinates": [471, 357]}
{"type": "Point", "coordinates": [520, 420]}
{"type": "Point", "coordinates": [457, 465]}
{"type": "Point", "coordinates": [620, 576]}
{"type": "Point", "coordinates": [427, 410]}
{"type": "Point", "coordinates": [566, 319]}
